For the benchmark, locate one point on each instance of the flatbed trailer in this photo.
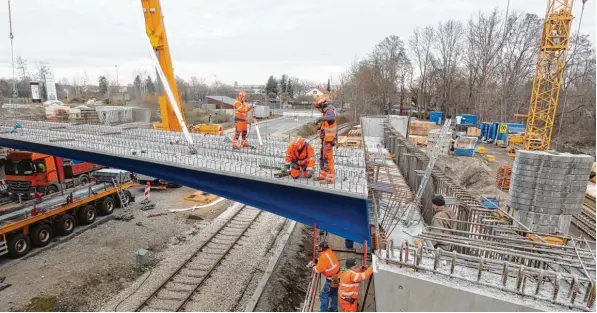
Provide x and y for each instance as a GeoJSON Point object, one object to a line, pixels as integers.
{"type": "Point", "coordinates": [35, 222]}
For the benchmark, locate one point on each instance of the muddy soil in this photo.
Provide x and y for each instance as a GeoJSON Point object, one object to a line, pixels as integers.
{"type": "Point", "coordinates": [287, 286]}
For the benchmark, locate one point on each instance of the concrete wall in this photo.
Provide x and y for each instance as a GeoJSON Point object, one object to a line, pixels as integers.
{"type": "Point", "coordinates": [373, 125]}
{"type": "Point", "coordinates": [403, 292]}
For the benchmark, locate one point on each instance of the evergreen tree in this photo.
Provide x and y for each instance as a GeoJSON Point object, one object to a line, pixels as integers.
{"type": "Point", "coordinates": [103, 85]}
{"type": "Point", "coordinates": [329, 88]}
{"type": "Point", "coordinates": [290, 88]}
{"type": "Point", "coordinates": [272, 85]}
{"type": "Point", "coordinates": [284, 84]}
{"type": "Point", "coordinates": [149, 85]}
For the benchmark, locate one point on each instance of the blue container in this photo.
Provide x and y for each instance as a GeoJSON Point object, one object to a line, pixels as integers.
{"type": "Point", "coordinates": [464, 152]}
{"type": "Point", "coordinates": [490, 202]}
{"type": "Point", "coordinates": [502, 133]}
{"type": "Point", "coordinates": [492, 132]}
{"type": "Point", "coordinates": [515, 128]}
{"type": "Point", "coordinates": [468, 119]}
{"type": "Point", "coordinates": [484, 129]}
{"type": "Point", "coordinates": [349, 244]}
{"type": "Point", "coordinates": [435, 117]}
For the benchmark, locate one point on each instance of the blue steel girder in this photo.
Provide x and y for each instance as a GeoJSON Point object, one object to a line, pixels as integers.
{"type": "Point", "coordinates": [339, 213]}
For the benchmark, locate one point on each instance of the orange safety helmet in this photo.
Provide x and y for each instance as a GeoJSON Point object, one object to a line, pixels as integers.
{"type": "Point", "coordinates": [299, 143]}
{"type": "Point", "coordinates": [320, 103]}
{"type": "Point", "coordinates": [242, 95]}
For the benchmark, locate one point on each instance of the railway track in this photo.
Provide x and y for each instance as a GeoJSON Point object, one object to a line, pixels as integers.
{"type": "Point", "coordinates": [185, 282]}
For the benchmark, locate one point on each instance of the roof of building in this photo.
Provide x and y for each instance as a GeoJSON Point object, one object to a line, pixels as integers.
{"type": "Point", "coordinates": [323, 90]}
{"type": "Point", "coordinates": [223, 99]}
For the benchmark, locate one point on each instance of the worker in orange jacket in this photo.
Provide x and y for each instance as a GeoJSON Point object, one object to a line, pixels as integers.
{"type": "Point", "coordinates": [327, 134]}
{"type": "Point", "coordinates": [300, 159]}
{"type": "Point", "coordinates": [327, 264]}
{"type": "Point", "coordinates": [240, 119]}
{"type": "Point", "coordinates": [350, 284]}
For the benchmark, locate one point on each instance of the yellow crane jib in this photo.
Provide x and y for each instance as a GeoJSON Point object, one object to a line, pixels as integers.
{"type": "Point", "coordinates": [156, 31]}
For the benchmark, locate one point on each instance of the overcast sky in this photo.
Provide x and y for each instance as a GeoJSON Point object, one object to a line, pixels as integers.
{"type": "Point", "coordinates": [237, 40]}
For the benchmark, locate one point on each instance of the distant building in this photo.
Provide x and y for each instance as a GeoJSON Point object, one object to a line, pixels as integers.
{"type": "Point", "coordinates": [319, 92]}
{"type": "Point", "coordinates": [221, 102]}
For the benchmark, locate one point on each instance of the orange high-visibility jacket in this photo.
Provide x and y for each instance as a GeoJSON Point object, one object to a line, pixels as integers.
{"type": "Point", "coordinates": [305, 158]}
{"type": "Point", "coordinates": [240, 110]}
{"type": "Point", "coordinates": [327, 263]}
{"type": "Point", "coordinates": [327, 130]}
{"type": "Point", "coordinates": [349, 283]}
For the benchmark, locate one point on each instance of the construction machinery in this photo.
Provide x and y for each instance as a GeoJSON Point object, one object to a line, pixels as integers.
{"type": "Point", "coordinates": [549, 75]}
{"type": "Point", "coordinates": [156, 31]}
{"type": "Point", "coordinates": [34, 223]}
{"type": "Point", "coordinates": [28, 173]}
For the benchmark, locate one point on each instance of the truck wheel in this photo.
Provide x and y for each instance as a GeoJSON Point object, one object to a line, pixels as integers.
{"type": "Point", "coordinates": [51, 189]}
{"type": "Point", "coordinates": [65, 224]}
{"type": "Point", "coordinates": [41, 234]}
{"type": "Point", "coordinates": [83, 180]}
{"type": "Point", "coordinates": [18, 245]}
{"type": "Point", "coordinates": [105, 206]}
{"type": "Point", "coordinates": [87, 214]}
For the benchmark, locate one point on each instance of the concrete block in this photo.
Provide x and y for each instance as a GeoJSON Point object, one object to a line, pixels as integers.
{"type": "Point", "coordinates": [143, 257]}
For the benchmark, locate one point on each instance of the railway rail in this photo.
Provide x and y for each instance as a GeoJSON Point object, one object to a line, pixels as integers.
{"type": "Point", "coordinates": [180, 287]}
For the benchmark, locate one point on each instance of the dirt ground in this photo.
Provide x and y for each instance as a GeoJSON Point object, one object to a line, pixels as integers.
{"type": "Point", "coordinates": [475, 173]}
{"type": "Point", "coordinates": [288, 283]}
{"type": "Point", "coordinates": [83, 273]}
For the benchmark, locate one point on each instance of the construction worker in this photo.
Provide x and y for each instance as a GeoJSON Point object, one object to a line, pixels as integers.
{"type": "Point", "coordinates": [300, 159]}
{"type": "Point", "coordinates": [327, 133]}
{"type": "Point", "coordinates": [350, 284]}
{"type": "Point", "coordinates": [443, 218]}
{"type": "Point", "coordinates": [240, 119]}
{"type": "Point", "coordinates": [327, 264]}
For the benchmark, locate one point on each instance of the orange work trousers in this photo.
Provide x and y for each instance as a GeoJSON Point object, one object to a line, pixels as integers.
{"type": "Point", "coordinates": [240, 131]}
{"type": "Point", "coordinates": [326, 163]}
{"type": "Point", "coordinates": [296, 172]}
{"type": "Point", "coordinates": [347, 306]}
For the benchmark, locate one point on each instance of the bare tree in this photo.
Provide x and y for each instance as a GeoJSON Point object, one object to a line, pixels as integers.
{"type": "Point", "coordinates": [387, 59]}
{"type": "Point", "coordinates": [448, 45]}
{"type": "Point", "coordinates": [420, 45]}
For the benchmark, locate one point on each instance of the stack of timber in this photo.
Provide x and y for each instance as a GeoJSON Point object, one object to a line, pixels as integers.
{"type": "Point", "coordinates": [585, 220]}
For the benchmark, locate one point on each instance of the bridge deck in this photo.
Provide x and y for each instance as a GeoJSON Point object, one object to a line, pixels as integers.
{"type": "Point", "coordinates": [246, 176]}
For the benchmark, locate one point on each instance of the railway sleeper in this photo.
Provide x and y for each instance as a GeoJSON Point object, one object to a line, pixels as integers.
{"type": "Point", "coordinates": [181, 288]}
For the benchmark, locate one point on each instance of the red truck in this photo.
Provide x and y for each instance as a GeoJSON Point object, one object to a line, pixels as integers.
{"type": "Point", "coordinates": [30, 172]}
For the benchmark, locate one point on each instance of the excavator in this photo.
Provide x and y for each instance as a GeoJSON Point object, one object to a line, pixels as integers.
{"type": "Point", "coordinates": [156, 31]}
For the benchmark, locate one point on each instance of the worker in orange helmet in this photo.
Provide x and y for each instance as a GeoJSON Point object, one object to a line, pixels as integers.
{"type": "Point", "coordinates": [327, 133]}
{"type": "Point", "coordinates": [240, 119]}
{"type": "Point", "coordinates": [300, 159]}
{"type": "Point", "coordinates": [327, 264]}
{"type": "Point", "coordinates": [350, 284]}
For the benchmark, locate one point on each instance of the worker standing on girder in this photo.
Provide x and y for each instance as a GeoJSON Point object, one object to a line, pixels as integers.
{"type": "Point", "coordinates": [350, 284]}
{"type": "Point", "coordinates": [240, 119]}
{"type": "Point", "coordinates": [327, 133]}
{"type": "Point", "coordinates": [327, 264]}
{"type": "Point", "coordinates": [443, 218]}
{"type": "Point", "coordinates": [300, 159]}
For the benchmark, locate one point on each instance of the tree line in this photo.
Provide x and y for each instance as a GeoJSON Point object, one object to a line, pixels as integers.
{"type": "Point", "coordinates": [484, 66]}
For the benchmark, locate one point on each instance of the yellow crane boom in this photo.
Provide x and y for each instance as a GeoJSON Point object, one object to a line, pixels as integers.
{"type": "Point", "coordinates": [549, 75]}
{"type": "Point", "coordinates": [156, 31]}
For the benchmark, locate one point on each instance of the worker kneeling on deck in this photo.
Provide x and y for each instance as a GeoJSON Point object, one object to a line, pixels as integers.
{"type": "Point", "coordinates": [327, 264]}
{"type": "Point", "coordinates": [350, 284]}
{"type": "Point", "coordinates": [327, 134]}
{"type": "Point", "coordinates": [300, 159]}
{"type": "Point", "coordinates": [240, 119]}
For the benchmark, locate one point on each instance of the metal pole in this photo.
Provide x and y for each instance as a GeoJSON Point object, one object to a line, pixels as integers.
{"type": "Point", "coordinates": [12, 53]}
